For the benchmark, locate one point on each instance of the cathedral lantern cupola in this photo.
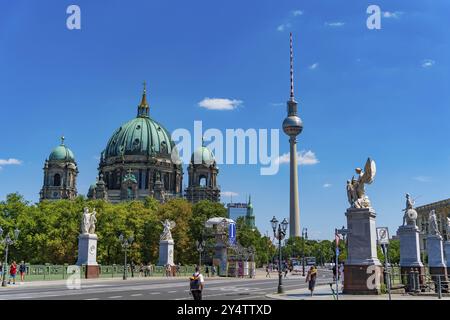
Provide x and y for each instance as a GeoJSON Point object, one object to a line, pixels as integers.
{"type": "Point", "coordinates": [60, 174]}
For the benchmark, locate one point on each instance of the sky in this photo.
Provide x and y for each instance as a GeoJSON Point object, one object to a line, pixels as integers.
{"type": "Point", "coordinates": [362, 93]}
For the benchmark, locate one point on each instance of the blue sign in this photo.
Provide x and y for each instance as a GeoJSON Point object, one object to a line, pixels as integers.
{"type": "Point", "coordinates": [232, 233]}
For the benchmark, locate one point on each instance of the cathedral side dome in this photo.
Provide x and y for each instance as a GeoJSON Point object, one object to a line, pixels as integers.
{"type": "Point", "coordinates": [62, 153]}
{"type": "Point", "coordinates": [202, 156]}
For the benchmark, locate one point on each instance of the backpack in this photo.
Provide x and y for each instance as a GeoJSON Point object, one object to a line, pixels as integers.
{"type": "Point", "coordinates": [194, 281]}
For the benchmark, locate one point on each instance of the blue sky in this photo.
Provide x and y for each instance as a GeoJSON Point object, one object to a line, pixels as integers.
{"type": "Point", "coordinates": [378, 93]}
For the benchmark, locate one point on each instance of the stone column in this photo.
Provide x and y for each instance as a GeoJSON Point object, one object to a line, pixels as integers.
{"type": "Point", "coordinates": [435, 253]}
{"type": "Point", "coordinates": [410, 252]}
{"type": "Point", "coordinates": [166, 252]}
{"type": "Point", "coordinates": [87, 254]}
{"type": "Point", "coordinates": [362, 270]}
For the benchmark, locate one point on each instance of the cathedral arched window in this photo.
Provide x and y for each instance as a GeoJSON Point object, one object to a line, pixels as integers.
{"type": "Point", "coordinates": [57, 180]}
{"type": "Point", "coordinates": [202, 181]}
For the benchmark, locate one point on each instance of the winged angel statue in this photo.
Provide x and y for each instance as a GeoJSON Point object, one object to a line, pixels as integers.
{"type": "Point", "coordinates": [168, 225]}
{"type": "Point", "coordinates": [355, 188]}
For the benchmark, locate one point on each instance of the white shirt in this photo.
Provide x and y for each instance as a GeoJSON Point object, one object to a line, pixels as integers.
{"type": "Point", "coordinates": [200, 276]}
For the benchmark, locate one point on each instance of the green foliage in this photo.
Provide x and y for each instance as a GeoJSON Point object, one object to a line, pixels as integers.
{"type": "Point", "coordinates": [247, 237]}
{"type": "Point", "coordinates": [50, 229]}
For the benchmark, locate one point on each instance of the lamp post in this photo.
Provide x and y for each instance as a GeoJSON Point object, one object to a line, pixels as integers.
{"type": "Point", "coordinates": [304, 238]}
{"type": "Point", "coordinates": [7, 241]}
{"type": "Point", "coordinates": [200, 247]}
{"type": "Point", "coordinates": [279, 234]}
{"type": "Point", "coordinates": [339, 232]}
{"type": "Point", "coordinates": [125, 243]}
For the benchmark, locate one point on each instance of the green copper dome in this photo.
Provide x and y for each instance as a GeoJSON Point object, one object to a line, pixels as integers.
{"type": "Point", "coordinates": [204, 155]}
{"type": "Point", "coordinates": [140, 136]}
{"type": "Point", "coordinates": [62, 153]}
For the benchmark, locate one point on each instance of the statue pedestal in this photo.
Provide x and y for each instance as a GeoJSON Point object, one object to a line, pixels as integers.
{"type": "Point", "coordinates": [87, 254]}
{"type": "Point", "coordinates": [166, 252]}
{"type": "Point", "coordinates": [410, 252]}
{"type": "Point", "coordinates": [435, 253]}
{"type": "Point", "coordinates": [447, 255]}
{"type": "Point", "coordinates": [362, 270]}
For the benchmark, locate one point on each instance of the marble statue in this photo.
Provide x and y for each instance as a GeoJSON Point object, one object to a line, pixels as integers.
{"type": "Point", "coordinates": [448, 228]}
{"type": "Point", "coordinates": [88, 221]}
{"type": "Point", "coordinates": [410, 215]}
{"type": "Point", "coordinates": [356, 192]}
{"type": "Point", "coordinates": [432, 220]}
{"type": "Point", "coordinates": [168, 225]}
{"type": "Point", "coordinates": [92, 221]}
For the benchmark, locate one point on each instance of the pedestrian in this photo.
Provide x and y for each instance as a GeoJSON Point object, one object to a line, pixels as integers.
{"type": "Point", "coordinates": [213, 270]}
{"type": "Point", "coordinates": [22, 270]}
{"type": "Point", "coordinates": [286, 270]}
{"type": "Point", "coordinates": [178, 268]}
{"type": "Point", "coordinates": [141, 270]}
{"type": "Point", "coordinates": [334, 272]}
{"type": "Point", "coordinates": [311, 278]}
{"type": "Point", "coordinates": [197, 284]}
{"type": "Point", "coordinates": [12, 272]}
{"type": "Point", "coordinates": [267, 271]}
{"type": "Point", "coordinates": [207, 271]}
{"type": "Point", "coordinates": [1, 269]}
{"type": "Point", "coordinates": [341, 272]}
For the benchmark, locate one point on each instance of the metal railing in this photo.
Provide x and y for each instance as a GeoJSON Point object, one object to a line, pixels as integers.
{"type": "Point", "coordinates": [60, 272]}
{"type": "Point", "coordinates": [415, 282]}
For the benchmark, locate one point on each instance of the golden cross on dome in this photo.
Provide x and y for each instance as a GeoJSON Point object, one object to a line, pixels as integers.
{"type": "Point", "coordinates": [145, 84]}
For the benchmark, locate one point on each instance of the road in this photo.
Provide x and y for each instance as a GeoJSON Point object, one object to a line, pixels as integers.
{"type": "Point", "coordinates": [159, 289]}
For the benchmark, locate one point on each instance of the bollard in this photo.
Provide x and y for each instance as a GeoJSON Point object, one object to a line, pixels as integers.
{"type": "Point", "coordinates": [439, 287]}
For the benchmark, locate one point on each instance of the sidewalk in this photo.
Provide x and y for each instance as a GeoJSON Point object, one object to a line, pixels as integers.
{"type": "Point", "coordinates": [323, 292]}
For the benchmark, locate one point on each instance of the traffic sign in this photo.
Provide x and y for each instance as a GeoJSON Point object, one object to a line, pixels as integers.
{"type": "Point", "coordinates": [383, 235]}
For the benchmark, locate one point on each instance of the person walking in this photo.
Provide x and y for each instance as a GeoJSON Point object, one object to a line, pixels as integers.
{"type": "Point", "coordinates": [12, 272]}
{"type": "Point", "coordinates": [22, 270]}
{"type": "Point", "coordinates": [311, 278]}
{"type": "Point", "coordinates": [197, 284]}
{"type": "Point", "coordinates": [207, 271]}
{"type": "Point", "coordinates": [267, 271]}
{"type": "Point", "coordinates": [213, 270]}
{"type": "Point", "coordinates": [141, 270]}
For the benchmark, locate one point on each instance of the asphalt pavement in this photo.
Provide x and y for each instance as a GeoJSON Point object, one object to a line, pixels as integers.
{"type": "Point", "coordinates": [216, 288]}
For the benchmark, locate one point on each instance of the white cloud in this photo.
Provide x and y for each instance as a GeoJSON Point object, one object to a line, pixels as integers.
{"type": "Point", "coordinates": [394, 15]}
{"type": "Point", "coordinates": [304, 158]}
{"type": "Point", "coordinates": [327, 185]}
{"type": "Point", "coordinates": [297, 13]}
{"type": "Point", "coordinates": [229, 194]}
{"type": "Point", "coordinates": [10, 161]}
{"type": "Point", "coordinates": [283, 26]}
{"type": "Point", "coordinates": [334, 24]}
{"type": "Point", "coordinates": [428, 63]}
{"type": "Point", "coordinates": [314, 66]}
{"type": "Point", "coordinates": [219, 104]}
{"type": "Point", "coordinates": [422, 178]}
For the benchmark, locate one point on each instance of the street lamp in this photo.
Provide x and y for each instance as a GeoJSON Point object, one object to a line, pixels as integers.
{"type": "Point", "coordinates": [125, 243]}
{"type": "Point", "coordinates": [279, 234]}
{"type": "Point", "coordinates": [7, 241]}
{"type": "Point", "coordinates": [200, 247]}
{"type": "Point", "coordinates": [304, 237]}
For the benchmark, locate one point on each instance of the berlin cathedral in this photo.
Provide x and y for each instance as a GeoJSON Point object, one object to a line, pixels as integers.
{"type": "Point", "coordinates": [136, 163]}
